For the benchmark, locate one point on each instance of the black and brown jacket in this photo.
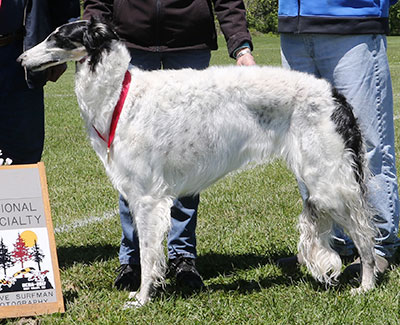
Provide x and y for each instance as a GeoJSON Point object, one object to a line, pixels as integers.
{"type": "Point", "coordinates": [172, 25]}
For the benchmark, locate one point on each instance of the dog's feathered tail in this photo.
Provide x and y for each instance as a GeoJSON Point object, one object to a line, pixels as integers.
{"type": "Point", "coordinates": [348, 128]}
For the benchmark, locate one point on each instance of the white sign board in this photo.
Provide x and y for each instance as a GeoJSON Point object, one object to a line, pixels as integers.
{"type": "Point", "coordinates": [29, 274]}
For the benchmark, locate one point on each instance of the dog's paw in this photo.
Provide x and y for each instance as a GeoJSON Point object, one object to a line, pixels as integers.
{"type": "Point", "coordinates": [132, 304]}
{"type": "Point", "coordinates": [357, 291]}
{"type": "Point", "coordinates": [134, 301]}
{"type": "Point", "coordinates": [132, 295]}
{"type": "Point", "coordinates": [360, 290]}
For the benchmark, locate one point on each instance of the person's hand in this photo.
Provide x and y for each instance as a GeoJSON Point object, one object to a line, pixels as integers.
{"type": "Point", "coordinates": [53, 73]}
{"type": "Point", "coordinates": [244, 57]}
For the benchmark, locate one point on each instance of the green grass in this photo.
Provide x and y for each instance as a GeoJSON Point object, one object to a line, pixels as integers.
{"type": "Point", "coordinates": [246, 221]}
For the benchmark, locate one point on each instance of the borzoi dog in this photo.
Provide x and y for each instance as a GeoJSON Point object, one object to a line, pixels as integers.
{"type": "Point", "coordinates": [178, 132]}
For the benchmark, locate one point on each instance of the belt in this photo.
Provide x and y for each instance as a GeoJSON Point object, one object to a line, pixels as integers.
{"type": "Point", "coordinates": [9, 38]}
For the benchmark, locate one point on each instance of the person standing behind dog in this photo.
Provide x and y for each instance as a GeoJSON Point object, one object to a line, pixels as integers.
{"type": "Point", "coordinates": [23, 24]}
{"type": "Point", "coordinates": [345, 43]}
{"type": "Point", "coordinates": [171, 34]}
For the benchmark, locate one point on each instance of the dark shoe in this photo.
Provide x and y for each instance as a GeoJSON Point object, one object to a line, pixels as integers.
{"type": "Point", "coordinates": [353, 270]}
{"type": "Point", "coordinates": [185, 273]}
{"type": "Point", "coordinates": [291, 263]}
{"type": "Point", "coordinates": [128, 277]}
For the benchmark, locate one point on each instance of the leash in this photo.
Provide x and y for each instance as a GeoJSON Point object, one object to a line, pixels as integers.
{"type": "Point", "coordinates": [116, 114]}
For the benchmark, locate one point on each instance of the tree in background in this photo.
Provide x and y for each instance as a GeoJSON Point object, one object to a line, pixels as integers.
{"type": "Point", "coordinates": [394, 19]}
{"type": "Point", "coordinates": [262, 15]}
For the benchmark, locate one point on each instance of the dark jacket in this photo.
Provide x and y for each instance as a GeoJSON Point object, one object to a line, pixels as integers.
{"type": "Point", "coordinates": [334, 17]}
{"type": "Point", "coordinates": [41, 18]}
{"type": "Point", "coordinates": [173, 25]}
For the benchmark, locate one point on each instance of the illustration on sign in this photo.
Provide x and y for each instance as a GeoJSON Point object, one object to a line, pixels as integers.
{"type": "Point", "coordinates": [25, 268]}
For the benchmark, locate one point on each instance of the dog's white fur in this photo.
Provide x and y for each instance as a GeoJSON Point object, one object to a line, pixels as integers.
{"type": "Point", "coordinates": [181, 131]}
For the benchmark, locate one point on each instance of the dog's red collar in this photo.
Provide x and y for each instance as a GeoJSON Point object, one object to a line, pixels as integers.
{"type": "Point", "coordinates": [117, 112]}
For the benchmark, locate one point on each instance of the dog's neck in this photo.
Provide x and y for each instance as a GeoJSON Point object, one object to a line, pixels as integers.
{"type": "Point", "coordinates": [98, 90]}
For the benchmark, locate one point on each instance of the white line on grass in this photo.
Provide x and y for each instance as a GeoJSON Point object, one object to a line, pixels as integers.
{"type": "Point", "coordinates": [85, 222]}
{"type": "Point", "coordinates": [58, 95]}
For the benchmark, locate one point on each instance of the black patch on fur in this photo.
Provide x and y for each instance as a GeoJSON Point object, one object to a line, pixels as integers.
{"type": "Point", "coordinates": [69, 36]}
{"type": "Point", "coordinates": [264, 117]}
{"type": "Point", "coordinates": [347, 126]}
{"type": "Point", "coordinates": [97, 39]}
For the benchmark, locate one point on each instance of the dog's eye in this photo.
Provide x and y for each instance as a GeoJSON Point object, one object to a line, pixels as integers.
{"type": "Point", "coordinates": [62, 42]}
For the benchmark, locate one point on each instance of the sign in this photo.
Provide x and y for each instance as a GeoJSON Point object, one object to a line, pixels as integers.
{"type": "Point", "coordinates": [29, 274]}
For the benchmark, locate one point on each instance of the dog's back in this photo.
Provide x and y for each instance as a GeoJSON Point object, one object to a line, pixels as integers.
{"type": "Point", "coordinates": [189, 121]}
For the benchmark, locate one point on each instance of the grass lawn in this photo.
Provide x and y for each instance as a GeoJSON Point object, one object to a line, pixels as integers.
{"type": "Point", "coordinates": [246, 221]}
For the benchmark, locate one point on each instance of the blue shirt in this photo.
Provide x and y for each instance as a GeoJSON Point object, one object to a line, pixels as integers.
{"type": "Point", "coordinates": [334, 16]}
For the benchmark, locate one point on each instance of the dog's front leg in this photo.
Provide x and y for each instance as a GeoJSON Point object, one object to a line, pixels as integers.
{"type": "Point", "coordinates": [152, 218]}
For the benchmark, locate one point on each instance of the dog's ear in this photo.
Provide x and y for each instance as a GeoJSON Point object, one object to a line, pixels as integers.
{"type": "Point", "coordinates": [98, 35]}
{"type": "Point", "coordinates": [77, 34]}
{"type": "Point", "coordinates": [97, 39]}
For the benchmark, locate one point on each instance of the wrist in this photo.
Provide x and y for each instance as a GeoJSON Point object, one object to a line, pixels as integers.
{"type": "Point", "coordinates": [243, 46]}
{"type": "Point", "coordinates": [242, 52]}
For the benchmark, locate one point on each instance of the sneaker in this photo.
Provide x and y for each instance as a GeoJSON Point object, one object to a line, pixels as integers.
{"type": "Point", "coordinates": [353, 270]}
{"type": "Point", "coordinates": [291, 263]}
{"type": "Point", "coordinates": [128, 277]}
{"type": "Point", "coordinates": [185, 273]}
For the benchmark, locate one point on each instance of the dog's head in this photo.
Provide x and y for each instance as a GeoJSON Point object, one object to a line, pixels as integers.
{"type": "Point", "coordinates": [70, 42]}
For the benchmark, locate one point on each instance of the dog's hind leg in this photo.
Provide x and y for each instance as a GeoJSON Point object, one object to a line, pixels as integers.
{"type": "Point", "coordinates": [336, 197]}
{"type": "Point", "coordinates": [365, 247]}
{"type": "Point", "coordinates": [356, 221]}
{"type": "Point", "coordinates": [347, 209]}
{"type": "Point", "coordinates": [152, 218]}
{"type": "Point", "coordinates": [329, 160]}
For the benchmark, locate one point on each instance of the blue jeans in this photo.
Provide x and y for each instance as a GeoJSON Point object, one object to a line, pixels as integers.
{"type": "Point", "coordinates": [21, 110]}
{"type": "Point", "coordinates": [357, 66]}
{"type": "Point", "coordinates": [182, 236]}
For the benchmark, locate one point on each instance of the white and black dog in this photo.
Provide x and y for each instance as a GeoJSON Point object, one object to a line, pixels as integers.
{"type": "Point", "coordinates": [181, 131]}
